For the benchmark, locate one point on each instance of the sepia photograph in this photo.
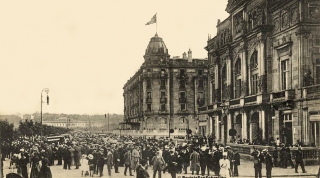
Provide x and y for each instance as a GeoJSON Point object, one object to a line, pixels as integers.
{"type": "Point", "coordinates": [160, 89]}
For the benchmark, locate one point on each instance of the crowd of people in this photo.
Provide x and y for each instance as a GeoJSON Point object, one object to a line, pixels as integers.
{"type": "Point", "coordinates": [91, 152]}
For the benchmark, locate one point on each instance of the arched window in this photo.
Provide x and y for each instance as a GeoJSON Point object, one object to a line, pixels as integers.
{"type": "Point", "coordinates": [237, 79]}
{"type": "Point", "coordinates": [254, 60]}
{"type": "Point", "coordinates": [224, 82]}
{"type": "Point", "coordinates": [254, 73]}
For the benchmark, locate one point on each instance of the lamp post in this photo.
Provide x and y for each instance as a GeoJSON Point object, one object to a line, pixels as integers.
{"type": "Point", "coordinates": [47, 91]}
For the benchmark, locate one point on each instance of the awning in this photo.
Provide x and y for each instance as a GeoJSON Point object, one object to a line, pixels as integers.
{"type": "Point", "coordinates": [314, 118]}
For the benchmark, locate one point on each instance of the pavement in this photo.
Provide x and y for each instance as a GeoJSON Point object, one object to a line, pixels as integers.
{"type": "Point", "coordinates": [246, 170]}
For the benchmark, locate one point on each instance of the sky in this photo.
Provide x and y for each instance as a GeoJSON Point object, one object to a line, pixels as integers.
{"type": "Point", "coordinates": [84, 51]}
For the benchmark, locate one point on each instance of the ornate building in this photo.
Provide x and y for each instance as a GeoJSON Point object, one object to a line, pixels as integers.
{"type": "Point", "coordinates": [264, 73]}
{"type": "Point", "coordinates": [165, 92]}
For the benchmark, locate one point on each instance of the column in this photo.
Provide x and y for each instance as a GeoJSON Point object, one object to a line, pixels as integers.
{"type": "Point", "coordinates": [244, 125]}
{"type": "Point", "coordinates": [263, 123]}
{"type": "Point", "coordinates": [217, 127]}
{"type": "Point", "coordinates": [210, 126]}
{"type": "Point", "coordinates": [229, 122]}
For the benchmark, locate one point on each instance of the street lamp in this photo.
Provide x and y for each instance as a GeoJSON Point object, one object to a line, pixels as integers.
{"type": "Point", "coordinates": [47, 91]}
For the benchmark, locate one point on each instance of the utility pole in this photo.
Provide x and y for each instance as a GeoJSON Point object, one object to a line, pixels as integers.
{"type": "Point", "coordinates": [108, 123]}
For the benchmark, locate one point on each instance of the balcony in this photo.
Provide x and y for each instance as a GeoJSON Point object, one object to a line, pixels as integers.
{"type": "Point", "coordinates": [182, 100]}
{"type": "Point", "coordinates": [250, 100]}
{"type": "Point", "coordinates": [163, 100]}
{"type": "Point", "coordinates": [148, 112]}
{"type": "Point", "coordinates": [282, 96]}
{"type": "Point", "coordinates": [163, 112]}
{"type": "Point", "coordinates": [200, 102]}
{"type": "Point", "coordinates": [311, 92]}
{"type": "Point", "coordinates": [202, 109]}
{"type": "Point", "coordinates": [183, 112]}
{"type": "Point", "coordinates": [234, 102]}
{"type": "Point", "coordinates": [149, 100]}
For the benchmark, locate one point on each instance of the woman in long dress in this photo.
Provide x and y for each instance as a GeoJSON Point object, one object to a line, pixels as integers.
{"type": "Point", "coordinates": [35, 167]}
{"type": "Point", "coordinates": [224, 166]}
{"type": "Point", "coordinates": [45, 171]}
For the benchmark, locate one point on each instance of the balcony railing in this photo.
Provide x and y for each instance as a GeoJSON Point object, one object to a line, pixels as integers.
{"type": "Point", "coordinates": [163, 100]}
{"type": "Point", "coordinates": [201, 102]}
{"type": "Point", "coordinates": [149, 100]}
{"type": "Point", "coordinates": [182, 100]}
{"type": "Point", "coordinates": [204, 108]}
{"type": "Point", "coordinates": [210, 107]}
{"type": "Point", "coordinates": [234, 102]}
{"type": "Point", "coordinates": [250, 99]}
{"type": "Point", "coordinates": [310, 90]}
{"type": "Point", "coordinates": [283, 95]}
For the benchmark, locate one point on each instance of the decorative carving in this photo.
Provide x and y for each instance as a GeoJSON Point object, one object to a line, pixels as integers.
{"type": "Point", "coordinates": [314, 10]}
{"type": "Point", "coordinates": [276, 24]}
{"type": "Point", "coordinates": [238, 23]}
{"type": "Point", "coordinates": [294, 15]}
{"type": "Point", "coordinates": [284, 19]}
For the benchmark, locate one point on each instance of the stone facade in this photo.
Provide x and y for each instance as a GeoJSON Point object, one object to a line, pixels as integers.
{"type": "Point", "coordinates": [264, 73]}
{"type": "Point", "coordinates": [165, 92]}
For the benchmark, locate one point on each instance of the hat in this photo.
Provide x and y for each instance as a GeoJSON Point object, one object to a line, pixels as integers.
{"type": "Point", "coordinates": [101, 149]}
{"type": "Point", "coordinates": [22, 150]}
{"type": "Point", "coordinates": [214, 148]}
{"type": "Point", "coordinates": [228, 147]}
{"type": "Point", "coordinates": [264, 150]}
{"type": "Point", "coordinates": [90, 156]}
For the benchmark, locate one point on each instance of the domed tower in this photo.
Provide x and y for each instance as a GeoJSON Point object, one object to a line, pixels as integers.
{"type": "Point", "coordinates": [156, 50]}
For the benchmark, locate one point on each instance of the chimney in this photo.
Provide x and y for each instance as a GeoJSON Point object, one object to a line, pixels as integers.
{"type": "Point", "coordinates": [184, 55]}
{"type": "Point", "coordinates": [189, 55]}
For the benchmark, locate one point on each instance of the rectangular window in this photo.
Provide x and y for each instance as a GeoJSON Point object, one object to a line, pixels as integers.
{"type": "Point", "coordinates": [182, 107]}
{"type": "Point", "coordinates": [163, 107]}
{"type": "Point", "coordinates": [149, 95]}
{"type": "Point", "coordinates": [163, 83]}
{"type": "Point", "coordinates": [254, 84]}
{"type": "Point", "coordinates": [200, 83]}
{"type": "Point", "coordinates": [163, 94]}
{"type": "Point", "coordinates": [284, 74]}
{"type": "Point", "coordinates": [199, 72]}
{"type": "Point", "coordinates": [237, 91]}
{"type": "Point", "coordinates": [182, 72]}
{"type": "Point", "coordinates": [148, 83]}
{"type": "Point", "coordinates": [182, 95]}
{"type": "Point", "coordinates": [182, 84]}
{"type": "Point", "coordinates": [148, 107]}
{"type": "Point", "coordinates": [148, 70]}
{"type": "Point", "coordinates": [318, 71]}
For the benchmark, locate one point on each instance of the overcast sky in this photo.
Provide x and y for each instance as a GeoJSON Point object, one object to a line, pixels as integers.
{"type": "Point", "coordinates": [84, 51]}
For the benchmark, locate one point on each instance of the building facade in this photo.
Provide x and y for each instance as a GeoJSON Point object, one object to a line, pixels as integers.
{"type": "Point", "coordinates": [71, 123]}
{"type": "Point", "coordinates": [264, 73]}
{"type": "Point", "coordinates": [165, 92]}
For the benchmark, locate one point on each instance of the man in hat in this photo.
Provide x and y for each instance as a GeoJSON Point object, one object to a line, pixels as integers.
{"type": "Point", "coordinates": [215, 156]}
{"type": "Point", "coordinates": [268, 161]}
{"type": "Point", "coordinates": [236, 162]}
{"type": "Point", "coordinates": [116, 159]}
{"type": "Point", "coordinates": [158, 163]}
{"type": "Point", "coordinates": [100, 161]}
{"type": "Point", "coordinates": [185, 158]}
{"type": "Point", "coordinates": [109, 160]}
{"type": "Point", "coordinates": [135, 158]}
{"type": "Point", "coordinates": [299, 160]}
{"type": "Point", "coordinates": [257, 159]}
{"type": "Point", "coordinates": [195, 162]}
{"type": "Point", "coordinates": [22, 162]}
{"type": "Point", "coordinates": [127, 162]}
{"type": "Point", "coordinates": [166, 156]}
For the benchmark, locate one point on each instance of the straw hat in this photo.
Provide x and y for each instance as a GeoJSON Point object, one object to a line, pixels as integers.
{"type": "Point", "coordinates": [90, 156]}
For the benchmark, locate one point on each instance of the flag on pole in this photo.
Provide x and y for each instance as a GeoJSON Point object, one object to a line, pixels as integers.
{"type": "Point", "coordinates": [153, 20]}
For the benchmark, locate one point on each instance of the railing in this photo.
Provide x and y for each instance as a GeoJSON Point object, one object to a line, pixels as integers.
{"type": "Point", "coordinates": [234, 102]}
{"type": "Point", "coordinates": [163, 100]}
{"type": "Point", "coordinates": [310, 90]}
{"type": "Point", "coordinates": [149, 100]}
{"type": "Point", "coordinates": [204, 108]}
{"type": "Point", "coordinates": [284, 95]}
{"type": "Point", "coordinates": [250, 99]}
